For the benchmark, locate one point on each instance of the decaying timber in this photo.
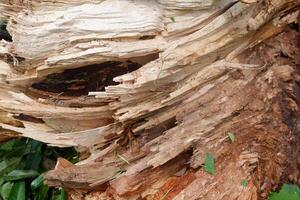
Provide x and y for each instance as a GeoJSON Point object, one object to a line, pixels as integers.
{"type": "Point", "coordinates": [148, 88]}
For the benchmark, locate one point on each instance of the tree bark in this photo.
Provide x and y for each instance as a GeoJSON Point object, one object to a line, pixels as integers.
{"type": "Point", "coordinates": [145, 90]}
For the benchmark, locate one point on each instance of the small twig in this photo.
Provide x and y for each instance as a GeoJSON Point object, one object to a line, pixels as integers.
{"type": "Point", "coordinates": [165, 195]}
{"type": "Point", "coordinates": [123, 158]}
{"type": "Point", "coordinates": [248, 1]}
{"type": "Point", "coordinates": [233, 65]}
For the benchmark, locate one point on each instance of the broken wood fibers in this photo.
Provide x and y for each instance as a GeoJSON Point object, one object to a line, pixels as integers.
{"type": "Point", "coordinates": [145, 89]}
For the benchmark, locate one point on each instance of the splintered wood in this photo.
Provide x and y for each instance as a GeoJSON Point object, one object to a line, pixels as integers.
{"type": "Point", "coordinates": [147, 88]}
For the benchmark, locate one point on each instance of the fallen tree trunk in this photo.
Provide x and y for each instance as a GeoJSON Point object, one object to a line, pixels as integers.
{"type": "Point", "coordinates": [145, 90]}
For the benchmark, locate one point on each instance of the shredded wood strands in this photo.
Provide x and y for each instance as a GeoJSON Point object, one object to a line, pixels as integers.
{"type": "Point", "coordinates": [148, 91]}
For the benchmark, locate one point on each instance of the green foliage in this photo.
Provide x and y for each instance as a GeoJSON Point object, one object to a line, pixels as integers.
{"type": "Point", "coordinates": [209, 164]}
{"type": "Point", "coordinates": [60, 195]}
{"type": "Point", "coordinates": [41, 193]}
{"type": "Point", "coordinates": [244, 182]}
{"type": "Point", "coordinates": [22, 163]}
{"type": "Point", "coordinates": [287, 192]}
{"type": "Point", "coordinates": [18, 191]}
{"type": "Point", "coordinates": [20, 174]}
{"type": "Point", "coordinates": [231, 137]}
{"type": "Point", "coordinates": [6, 189]}
{"type": "Point", "coordinates": [36, 183]}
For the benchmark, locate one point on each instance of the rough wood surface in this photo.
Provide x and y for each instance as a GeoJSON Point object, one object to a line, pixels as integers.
{"type": "Point", "coordinates": [148, 88]}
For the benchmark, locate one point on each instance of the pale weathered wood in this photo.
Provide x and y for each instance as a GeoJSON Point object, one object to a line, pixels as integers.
{"type": "Point", "coordinates": [188, 72]}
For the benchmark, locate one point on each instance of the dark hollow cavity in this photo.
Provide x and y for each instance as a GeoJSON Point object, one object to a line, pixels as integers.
{"type": "Point", "coordinates": [4, 34]}
{"type": "Point", "coordinates": [80, 81]}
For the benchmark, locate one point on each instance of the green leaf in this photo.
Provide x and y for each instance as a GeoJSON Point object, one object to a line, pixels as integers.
{"type": "Point", "coordinates": [42, 193]}
{"type": "Point", "coordinates": [288, 192]}
{"type": "Point", "coordinates": [18, 191]}
{"type": "Point", "coordinates": [14, 148]}
{"type": "Point", "coordinates": [34, 158]}
{"type": "Point", "coordinates": [20, 174]}
{"type": "Point", "coordinates": [37, 182]}
{"type": "Point", "coordinates": [173, 19]}
{"type": "Point", "coordinates": [8, 165]}
{"type": "Point", "coordinates": [244, 182]}
{"type": "Point", "coordinates": [231, 137]}
{"type": "Point", "coordinates": [8, 146]}
{"type": "Point", "coordinates": [1, 181]}
{"type": "Point", "coordinates": [209, 164]}
{"type": "Point", "coordinates": [119, 172]}
{"type": "Point", "coordinates": [20, 160]}
{"type": "Point", "coordinates": [62, 195]}
{"type": "Point", "coordinates": [5, 189]}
